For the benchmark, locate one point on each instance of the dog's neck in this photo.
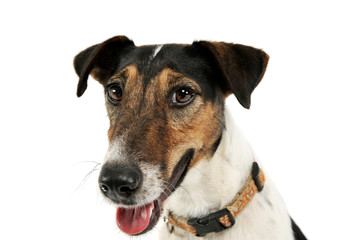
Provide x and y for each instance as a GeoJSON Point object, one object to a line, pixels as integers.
{"type": "Point", "coordinates": [212, 184]}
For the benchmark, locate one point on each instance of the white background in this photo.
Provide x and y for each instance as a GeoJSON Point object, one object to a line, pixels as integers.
{"type": "Point", "coordinates": [304, 122]}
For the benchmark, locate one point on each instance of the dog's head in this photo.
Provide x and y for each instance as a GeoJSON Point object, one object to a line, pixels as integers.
{"type": "Point", "coordinates": [165, 105]}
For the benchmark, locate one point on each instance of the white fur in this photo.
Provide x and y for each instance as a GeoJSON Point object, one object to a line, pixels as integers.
{"type": "Point", "coordinates": [156, 50]}
{"type": "Point", "coordinates": [211, 184]}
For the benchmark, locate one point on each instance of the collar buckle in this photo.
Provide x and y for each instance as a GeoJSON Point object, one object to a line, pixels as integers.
{"type": "Point", "coordinates": [211, 222]}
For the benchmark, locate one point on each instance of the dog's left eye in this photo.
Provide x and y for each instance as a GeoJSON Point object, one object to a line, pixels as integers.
{"type": "Point", "coordinates": [182, 96]}
{"type": "Point", "coordinates": [115, 93]}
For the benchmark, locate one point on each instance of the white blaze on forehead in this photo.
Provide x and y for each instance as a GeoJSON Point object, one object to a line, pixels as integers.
{"type": "Point", "coordinates": [156, 50]}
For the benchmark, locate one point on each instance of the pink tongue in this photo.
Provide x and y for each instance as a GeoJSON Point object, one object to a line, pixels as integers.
{"type": "Point", "coordinates": [134, 220]}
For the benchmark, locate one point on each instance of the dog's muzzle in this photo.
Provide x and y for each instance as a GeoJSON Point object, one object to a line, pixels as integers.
{"type": "Point", "coordinates": [120, 184]}
{"type": "Point", "coordinates": [124, 186]}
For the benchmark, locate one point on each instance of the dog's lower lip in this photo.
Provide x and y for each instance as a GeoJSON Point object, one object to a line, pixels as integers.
{"type": "Point", "coordinates": [178, 174]}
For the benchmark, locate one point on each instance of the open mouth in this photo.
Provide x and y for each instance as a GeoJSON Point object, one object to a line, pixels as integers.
{"type": "Point", "coordinates": [139, 220]}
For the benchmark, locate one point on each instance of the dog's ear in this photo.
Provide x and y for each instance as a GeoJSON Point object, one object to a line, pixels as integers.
{"type": "Point", "coordinates": [100, 60]}
{"type": "Point", "coordinates": [241, 67]}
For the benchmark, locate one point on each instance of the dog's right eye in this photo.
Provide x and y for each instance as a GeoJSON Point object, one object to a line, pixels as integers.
{"type": "Point", "coordinates": [115, 94]}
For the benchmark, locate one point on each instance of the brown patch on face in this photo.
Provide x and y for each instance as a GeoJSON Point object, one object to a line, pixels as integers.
{"type": "Point", "coordinates": [200, 132]}
{"type": "Point", "coordinates": [130, 81]}
{"type": "Point", "coordinates": [169, 79]}
{"type": "Point", "coordinates": [157, 131]}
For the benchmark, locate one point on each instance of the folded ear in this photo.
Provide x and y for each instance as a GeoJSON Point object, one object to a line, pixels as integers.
{"type": "Point", "coordinates": [100, 60]}
{"type": "Point", "coordinates": [241, 68]}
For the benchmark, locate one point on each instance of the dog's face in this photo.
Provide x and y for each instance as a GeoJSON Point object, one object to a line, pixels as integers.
{"type": "Point", "coordinates": [165, 105]}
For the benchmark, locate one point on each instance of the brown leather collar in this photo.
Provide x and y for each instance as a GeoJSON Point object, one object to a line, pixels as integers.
{"type": "Point", "coordinates": [223, 219]}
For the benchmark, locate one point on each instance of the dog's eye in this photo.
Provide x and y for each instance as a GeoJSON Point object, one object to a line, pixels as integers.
{"type": "Point", "coordinates": [182, 96]}
{"type": "Point", "coordinates": [115, 93]}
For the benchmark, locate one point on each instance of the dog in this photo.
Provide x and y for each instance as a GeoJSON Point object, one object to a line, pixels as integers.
{"type": "Point", "coordinates": [174, 150]}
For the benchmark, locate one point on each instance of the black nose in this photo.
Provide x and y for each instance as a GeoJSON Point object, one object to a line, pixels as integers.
{"type": "Point", "coordinates": [119, 182]}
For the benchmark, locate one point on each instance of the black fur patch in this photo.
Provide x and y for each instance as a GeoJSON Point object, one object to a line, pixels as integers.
{"type": "Point", "coordinates": [187, 60]}
{"type": "Point", "coordinates": [297, 233]}
{"type": "Point", "coordinates": [216, 144]}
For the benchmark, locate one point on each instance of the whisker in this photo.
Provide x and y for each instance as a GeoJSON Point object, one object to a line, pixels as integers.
{"type": "Point", "coordinates": [80, 162]}
{"type": "Point", "coordinates": [166, 187]}
{"type": "Point", "coordinates": [200, 171]}
{"type": "Point", "coordinates": [88, 175]}
{"type": "Point", "coordinates": [167, 184]}
{"type": "Point", "coordinates": [221, 121]}
{"type": "Point", "coordinates": [185, 189]}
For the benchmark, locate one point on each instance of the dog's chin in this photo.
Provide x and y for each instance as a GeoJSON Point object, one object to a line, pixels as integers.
{"type": "Point", "coordinates": [139, 219]}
